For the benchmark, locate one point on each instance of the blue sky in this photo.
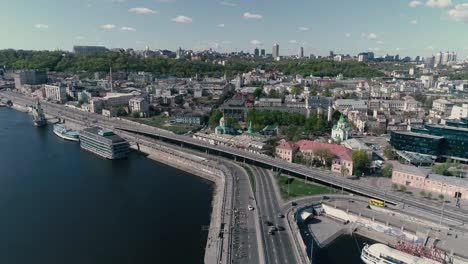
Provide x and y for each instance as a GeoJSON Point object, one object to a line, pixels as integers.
{"type": "Point", "coordinates": [345, 26]}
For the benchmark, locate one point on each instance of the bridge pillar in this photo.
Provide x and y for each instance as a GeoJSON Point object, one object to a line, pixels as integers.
{"type": "Point", "coordinates": [138, 146]}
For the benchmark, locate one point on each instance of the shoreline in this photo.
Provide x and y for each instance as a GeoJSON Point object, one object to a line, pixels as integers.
{"type": "Point", "coordinates": [186, 162]}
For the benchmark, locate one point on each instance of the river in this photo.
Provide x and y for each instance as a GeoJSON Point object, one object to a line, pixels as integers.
{"type": "Point", "coordinates": [61, 204]}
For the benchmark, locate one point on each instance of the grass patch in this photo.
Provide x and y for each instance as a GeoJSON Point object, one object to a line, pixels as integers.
{"type": "Point", "coordinates": [298, 188]}
{"type": "Point", "coordinates": [251, 177]}
{"type": "Point", "coordinates": [163, 123]}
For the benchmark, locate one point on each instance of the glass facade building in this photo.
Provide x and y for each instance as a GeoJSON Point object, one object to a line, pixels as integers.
{"type": "Point", "coordinates": [447, 141]}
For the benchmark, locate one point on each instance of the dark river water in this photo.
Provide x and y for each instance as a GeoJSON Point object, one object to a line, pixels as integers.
{"type": "Point", "coordinates": [61, 204]}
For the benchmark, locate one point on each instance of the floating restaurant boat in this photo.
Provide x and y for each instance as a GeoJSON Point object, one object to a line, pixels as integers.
{"type": "Point", "coordinates": [104, 143]}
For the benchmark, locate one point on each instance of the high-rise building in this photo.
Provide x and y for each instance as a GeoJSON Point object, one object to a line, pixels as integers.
{"type": "Point", "coordinates": [256, 52]}
{"type": "Point", "coordinates": [179, 53]}
{"type": "Point", "coordinates": [89, 50]}
{"type": "Point", "coordinates": [30, 77]}
{"type": "Point", "coordinates": [430, 62]}
{"type": "Point", "coordinates": [301, 53]}
{"type": "Point", "coordinates": [262, 52]}
{"type": "Point", "coordinates": [438, 59]}
{"type": "Point", "coordinates": [275, 51]}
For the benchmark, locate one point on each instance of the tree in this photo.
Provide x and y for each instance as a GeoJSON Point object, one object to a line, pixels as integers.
{"type": "Point", "coordinates": [387, 170]}
{"type": "Point", "coordinates": [422, 193]}
{"type": "Point", "coordinates": [327, 92]}
{"type": "Point", "coordinates": [274, 94]}
{"type": "Point", "coordinates": [258, 92]}
{"type": "Point", "coordinates": [389, 152]}
{"type": "Point", "coordinates": [324, 155]}
{"type": "Point", "coordinates": [233, 122]}
{"type": "Point", "coordinates": [213, 121]}
{"type": "Point", "coordinates": [360, 162]}
{"type": "Point", "coordinates": [429, 195]}
{"type": "Point", "coordinates": [402, 188]}
{"type": "Point", "coordinates": [442, 169]}
{"type": "Point", "coordinates": [136, 114]}
{"type": "Point", "coordinates": [296, 90]}
{"type": "Point", "coordinates": [441, 197]}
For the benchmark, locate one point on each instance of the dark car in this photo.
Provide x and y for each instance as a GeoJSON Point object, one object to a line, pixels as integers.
{"type": "Point", "coordinates": [268, 223]}
{"type": "Point", "coordinates": [280, 228]}
{"type": "Point", "coordinates": [280, 215]}
{"type": "Point", "coordinates": [293, 203]}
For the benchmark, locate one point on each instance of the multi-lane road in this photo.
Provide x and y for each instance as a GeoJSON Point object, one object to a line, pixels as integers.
{"type": "Point", "coordinates": [278, 245]}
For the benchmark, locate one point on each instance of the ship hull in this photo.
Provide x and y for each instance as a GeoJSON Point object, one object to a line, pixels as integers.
{"type": "Point", "coordinates": [40, 123]}
{"type": "Point", "coordinates": [70, 138]}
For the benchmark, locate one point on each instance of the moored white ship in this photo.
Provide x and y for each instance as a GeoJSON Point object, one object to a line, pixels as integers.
{"type": "Point", "coordinates": [65, 133]}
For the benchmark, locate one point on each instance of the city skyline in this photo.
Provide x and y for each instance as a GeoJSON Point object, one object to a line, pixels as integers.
{"type": "Point", "coordinates": [408, 28]}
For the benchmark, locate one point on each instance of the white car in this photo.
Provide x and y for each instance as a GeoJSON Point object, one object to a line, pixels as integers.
{"type": "Point", "coordinates": [250, 207]}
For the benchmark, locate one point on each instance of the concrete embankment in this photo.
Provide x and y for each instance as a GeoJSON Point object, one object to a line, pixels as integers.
{"type": "Point", "coordinates": [205, 169]}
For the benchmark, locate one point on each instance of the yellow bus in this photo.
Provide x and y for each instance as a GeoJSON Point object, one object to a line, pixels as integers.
{"type": "Point", "coordinates": [376, 202]}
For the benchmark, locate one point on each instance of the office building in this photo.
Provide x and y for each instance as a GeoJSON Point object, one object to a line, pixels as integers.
{"type": "Point", "coordinates": [256, 52]}
{"type": "Point", "coordinates": [262, 53]}
{"type": "Point", "coordinates": [275, 51]}
{"type": "Point", "coordinates": [56, 93]}
{"type": "Point", "coordinates": [89, 50]}
{"type": "Point", "coordinates": [439, 141]}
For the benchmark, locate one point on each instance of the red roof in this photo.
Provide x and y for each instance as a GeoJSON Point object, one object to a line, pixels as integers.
{"type": "Point", "coordinates": [339, 151]}
{"type": "Point", "coordinates": [286, 146]}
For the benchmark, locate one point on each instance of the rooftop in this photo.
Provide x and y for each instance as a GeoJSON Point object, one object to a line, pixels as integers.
{"type": "Point", "coordinates": [417, 134]}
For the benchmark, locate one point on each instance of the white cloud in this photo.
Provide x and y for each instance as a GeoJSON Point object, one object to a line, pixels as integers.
{"type": "Point", "coordinates": [182, 19]}
{"type": "Point", "coordinates": [41, 26]}
{"type": "Point", "coordinates": [118, 1]}
{"type": "Point", "coordinates": [166, 1]}
{"type": "Point", "coordinates": [369, 35]}
{"type": "Point", "coordinates": [348, 35]}
{"type": "Point", "coordinates": [414, 22]}
{"type": "Point", "coordinates": [248, 15]}
{"type": "Point", "coordinates": [108, 26]}
{"type": "Point", "coordinates": [380, 42]}
{"type": "Point", "coordinates": [415, 3]}
{"type": "Point", "coordinates": [303, 28]}
{"type": "Point", "coordinates": [429, 48]}
{"type": "Point", "coordinates": [143, 11]}
{"type": "Point", "coordinates": [221, 25]}
{"type": "Point", "coordinates": [439, 3]}
{"type": "Point", "coordinates": [293, 41]}
{"type": "Point", "coordinates": [374, 49]}
{"type": "Point", "coordinates": [127, 29]}
{"type": "Point", "coordinates": [459, 13]}
{"type": "Point", "coordinates": [226, 3]}
{"type": "Point", "coordinates": [79, 37]}
{"type": "Point", "coordinates": [256, 42]}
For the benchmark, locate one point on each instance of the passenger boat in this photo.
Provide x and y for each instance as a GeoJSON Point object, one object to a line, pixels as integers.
{"type": "Point", "coordinates": [68, 134]}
